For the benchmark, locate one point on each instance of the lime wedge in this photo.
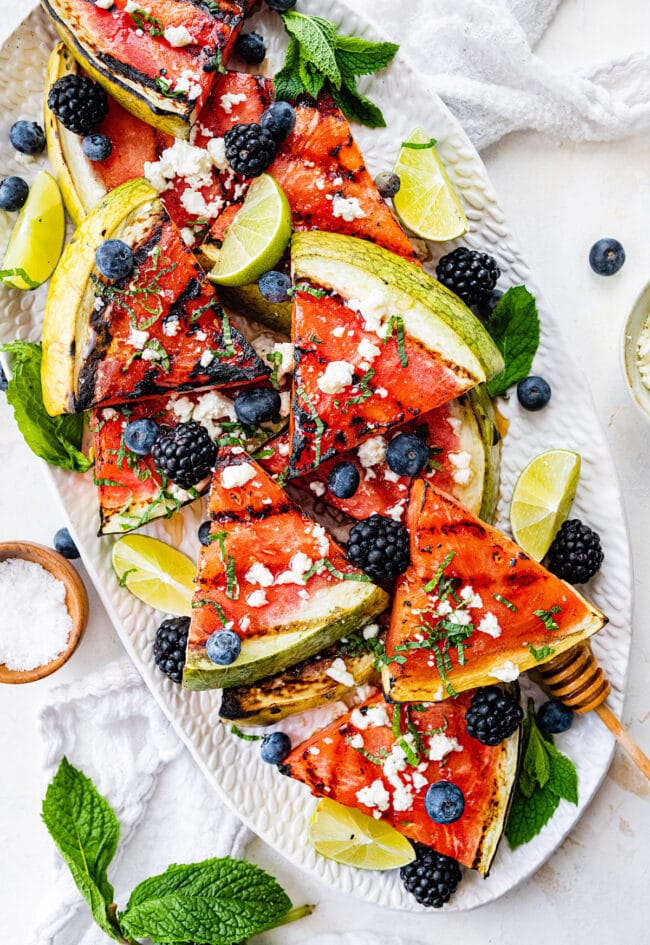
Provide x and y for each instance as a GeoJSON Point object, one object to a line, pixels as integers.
{"type": "Point", "coordinates": [36, 240]}
{"type": "Point", "coordinates": [350, 837]}
{"type": "Point", "coordinates": [426, 202]}
{"type": "Point", "coordinates": [155, 573]}
{"type": "Point", "coordinates": [258, 236]}
{"type": "Point", "coordinates": [542, 498]}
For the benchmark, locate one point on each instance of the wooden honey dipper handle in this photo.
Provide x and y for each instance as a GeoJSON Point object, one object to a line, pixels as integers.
{"type": "Point", "coordinates": [576, 679]}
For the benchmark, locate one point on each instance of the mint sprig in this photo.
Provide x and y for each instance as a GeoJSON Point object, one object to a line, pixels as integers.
{"type": "Point", "coordinates": [545, 777]}
{"type": "Point", "coordinates": [318, 58]}
{"type": "Point", "coordinates": [216, 901]}
{"type": "Point", "coordinates": [514, 326]}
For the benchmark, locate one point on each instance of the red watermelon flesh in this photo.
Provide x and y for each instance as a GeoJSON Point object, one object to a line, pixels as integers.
{"type": "Point", "coordinates": [473, 608]}
{"type": "Point", "coordinates": [396, 746]}
{"type": "Point", "coordinates": [402, 381]}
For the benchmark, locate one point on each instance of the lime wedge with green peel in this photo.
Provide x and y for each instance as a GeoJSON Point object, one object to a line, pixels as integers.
{"type": "Point", "coordinates": [258, 236]}
{"type": "Point", "coordinates": [155, 573]}
{"type": "Point", "coordinates": [36, 240]}
{"type": "Point", "coordinates": [426, 202]}
{"type": "Point", "coordinates": [350, 837]}
{"type": "Point", "coordinates": [542, 498]}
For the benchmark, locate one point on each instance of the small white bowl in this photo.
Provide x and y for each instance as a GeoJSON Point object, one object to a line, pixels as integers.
{"type": "Point", "coordinates": [633, 327]}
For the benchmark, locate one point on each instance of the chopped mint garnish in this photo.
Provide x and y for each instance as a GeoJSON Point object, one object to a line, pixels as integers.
{"type": "Point", "coordinates": [546, 616]}
{"type": "Point", "coordinates": [543, 653]}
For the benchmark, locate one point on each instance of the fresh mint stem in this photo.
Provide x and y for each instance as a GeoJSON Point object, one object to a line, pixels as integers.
{"type": "Point", "coordinates": [299, 912]}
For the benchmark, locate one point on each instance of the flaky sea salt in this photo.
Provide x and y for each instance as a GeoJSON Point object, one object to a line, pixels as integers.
{"type": "Point", "coordinates": [34, 620]}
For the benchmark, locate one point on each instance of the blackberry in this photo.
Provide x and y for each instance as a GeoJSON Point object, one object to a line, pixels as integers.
{"type": "Point", "coordinates": [487, 305]}
{"type": "Point", "coordinates": [493, 716]}
{"type": "Point", "coordinates": [185, 454]}
{"type": "Point", "coordinates": [431, 878]}
{"type": "Point", "coordinates": [78, 103]}
{"type": "Point", "coordinates": [169, 647]}
{"type": "Point", "coordinates": [250, 149]}
{"type": "Point", "coordinates": [576, 553]}
{"type": "Point", "coordinates": [379, 546]}
{"type": "Point", "coordinates": [468, 273]}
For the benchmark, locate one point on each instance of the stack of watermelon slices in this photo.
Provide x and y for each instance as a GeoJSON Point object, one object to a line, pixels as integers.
{"type": "Point", "coordinates": [378, 348]}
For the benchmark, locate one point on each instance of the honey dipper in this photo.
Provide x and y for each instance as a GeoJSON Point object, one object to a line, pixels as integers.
{"type": "Point", "coordinates": [576, 679]}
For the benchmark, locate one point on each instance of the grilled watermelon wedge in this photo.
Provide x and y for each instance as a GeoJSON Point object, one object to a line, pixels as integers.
{"type": "Point", "coordinates": [473, 608]}
{"type": "Point", "coordinates": [131, 491]}
{"type": "Point", "coordinates": [379, 759]}
{"type": "Point", "coordinates": [160, 329]}
{"type": "Point", "coordinates": [126, 50]}
{"type": "Point", "coordinates": [377, 342]}
{"type": "Point", "coordinates": [464, 461]}
{"type": "Point", "coordinates": [274, 576]}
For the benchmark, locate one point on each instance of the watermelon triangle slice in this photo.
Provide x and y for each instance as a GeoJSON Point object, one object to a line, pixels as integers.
{"type": "Point", "coordinates": [273, 575]}
{"type": "Point", "coordinates": [377, 342]}
{"type": "Point", "coordinates": [473, 608]}
{"type": "Point", "coordinates": [160, 329]}
{"type": "Point", "coordinates": [381, 759]}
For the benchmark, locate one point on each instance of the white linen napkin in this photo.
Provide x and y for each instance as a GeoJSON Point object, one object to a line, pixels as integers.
{"type": "Point", "coordinates": [480, 56]}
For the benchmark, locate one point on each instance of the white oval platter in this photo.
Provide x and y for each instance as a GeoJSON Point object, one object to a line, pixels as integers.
{"type": "Point", "coordinates": [277, 808]}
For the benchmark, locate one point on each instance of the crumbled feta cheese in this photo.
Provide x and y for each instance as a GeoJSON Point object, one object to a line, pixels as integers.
{"type": "Point", "coordinates": [314, 750]}
{"type": "Point", "coordinates": [507, 672]}
{"type": "Point", "coordinates": [338, 181]}
{"type": "Point", "coordinates": [137, 339]}
{"type": "Point", "coordinates": [318, 488]}
{"type": "Point", "coordinates": [372, 451]}
{"type": "Point", "coordinates": [188, 84]}
{"type": "Point", "coordinates": [347, 208]}
{"type": "Point", "coordinates": [132, 7]}
{"type": "Point", "coordinates": [196, 204]}
{"type": "Point", "coordinates": [442, 745]}
{"type": "Point", "coordinates": [200, 335]}
{"type": "Point", "coordinates": [188, 236]}
{"type": "Point", "coordinates": [285, 403]}
{"type": "Point", "coordinates": [490, 625]}
{"type": "Point", "coordinates": [462, 618]}
{"type": "Point", "coordinates": [178, 36]}
{"type": "Point", "coordinates": [330, 741]}
{"type": "Point", "coordinates": [104, 4]}
{"type": "Point", "coordinates": [320, 184]}
{"type": "Point", "coordinates": [462, 463]}
{"type": "Point", "coordinates": [472, 599]}
{"type": "Point", "coordinates": [444, 608]}
{"type": "Point", "coordinates": [245, 622]}
{"type": "Point", "coordinates": [339, 331]}
{"type": "Point", "coordinates": [206, 358]}
{"type": "Point", "coordinates": [284, 449]}
{"type": "Point", "coordinates": [419, 780]}
{"type": "Point", "coordinates": [259, 574]}
{"type": "Point", "coordinates": [230, 99]}
{"type": "Point", "coordinates": [108, 413]}
{"type": "Point", "coordinates": [373, 310]}
{"type": "Point", "coordinates": [391, 476]}
{"type": "Point", "coordinates": [356, 740]}
{"type": "Point", "coordinates": [371, 631]}
{"type": "Point", "coordinates": [299, 564]}
{"type": "Point", "coordinates": [374, 795]}
{"type": "Point", "coordinates": [455, 423]}
{"type": "Point", "coordinates": [336, 377]}
{"type": "Point", "coordinates": [171, 326]}
{"type": "Point", "coordinates": [322, 541]}
{"type": "Point", "coordinates": [216, 148]}
{"type": "Point", "coordinates": [376, 716]}
{"type": "Point", "coordinates": [367, 350]}
{"type": "Point", "coordinates": [285, 366]}
{"type": "Point", "coordinates": [382, 392]}
{"type": "Point", "coordinates": [397, 511]}
{"type": "Point", "coordinates": [183, 408]}
{"type": "Point", "coordinates": [233, 477]}
{"type": "Point", "coordinates": [257, 599]}
{"type": "Point", "coordinates": [338, 671]}
{"type": "Point", "coordinates": [402, 798]}
{"type": "Point", "coordinates": [184, 160]}
{"type": "Point", "coordinates": [304, 595]}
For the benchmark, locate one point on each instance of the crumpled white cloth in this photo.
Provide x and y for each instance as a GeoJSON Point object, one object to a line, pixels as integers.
{"type": "Point", "coordinates": [479, 54]}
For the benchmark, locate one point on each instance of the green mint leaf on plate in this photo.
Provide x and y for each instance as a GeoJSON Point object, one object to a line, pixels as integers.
{"type": "Point", "coordinates": [316, 37]}
{"type": "Point", "coordinates": [536, 759]}
{"type": "Point", "coordinates": [216, 902]}
{"type": "Point", "coordinates": [529, 814]}
{"type": "Point", "coordinates": [57, 440]}
{"type": "Point", "coordinates": [312, 80]}
{"type": "Point", "coordinates": [356, 107]}
{"type": "Point", "coordinates": [362, 57]}
{"type": "Point", "coordinates": [563, 777]}
{"type": "Point", "coordinates": [85, 829]}
{"type": "Point", "coordinates": [514, 326]}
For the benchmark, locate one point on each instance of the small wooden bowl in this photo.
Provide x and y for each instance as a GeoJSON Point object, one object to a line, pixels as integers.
{"type": "Point", "coordinates": [76, 599]}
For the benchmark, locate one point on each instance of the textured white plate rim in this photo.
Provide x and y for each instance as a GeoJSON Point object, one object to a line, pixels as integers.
{"type": "Point", "coordinates": [376, 888]}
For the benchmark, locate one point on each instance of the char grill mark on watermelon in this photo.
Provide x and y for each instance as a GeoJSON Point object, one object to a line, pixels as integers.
{"type": "Point", "coordinates": [505, 613]}
{"type": "Point", "coordinates": [485, 775]}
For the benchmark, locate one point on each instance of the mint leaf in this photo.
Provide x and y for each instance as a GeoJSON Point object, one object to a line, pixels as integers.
{"type": "Point", "coordinates": [536, 760]}
{"type": "Point", "coordinates": [563, 777]}
{"type": "Point", "coordinates": [311, 78]}
{"type": "Point", "coordinates": [216, 902]}
{"type": "Point", "coordinates": [85, 829]}
{"type": "Point", "coordinates": [356, 107]}
{"type": "Point", "coordinates": [316, 37]}
{"type": "Point", "coordinates": [287, 82]}
{"type": "Point", "coordinates": [529, 814]}
{"type": "Point", "coordinates": [57, 440]}
{"type": "Point", "coordinates": [514, 326]}
{"type": "Point", "coordinates": [541, 653]}
{"type": "Point", "coordinates": [362, 57]}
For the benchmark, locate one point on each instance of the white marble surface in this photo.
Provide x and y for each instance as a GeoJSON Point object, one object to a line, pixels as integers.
{"type": "Point", "coordinates": [560, 198]}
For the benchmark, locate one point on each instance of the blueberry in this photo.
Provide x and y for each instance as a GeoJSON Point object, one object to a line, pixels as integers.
{"type": "Point", "coordinates": [279, 119]}
{"type": "Point", "coordinates": [257, 406]}
{"type": "Point", "coordinates": [140, 436]}
{"type": "Point", "coordinates": [553, 717]}
{"type": "Point", "coordinates": [223, 647]}
{"type": "Point", "coordinates": [114, 259]}
{"type": "Point", "coordinates": [275, 748]}
{"type": "Point", "coordinates": [407, 454]}
{"type": "Point", "coordinates": [97, 147]}
{"type": "Point", "coordinates": [387, 183]}
{"type": "Point", "coordinates": [533, 392]}
{"type": "Point", "coordinates": [250, 47]}
{"type": "Point", "coordinates": [204, 533]}
{"type": "Point", "coordinates": [4, 383]}
{"type": "Point", "coordinates": [606, 256]}
{"type": "Point", "coordinates": [274, 286]}
{"type": "Point", "coordinates": [444, 802]}
{"type": "Point", "coordinates": [487, 305]}
{"type": "Point", "coordinates": [343, 481]}
{"type": "Point", "coordinates": [13, 193]}
{"type": "Point", "coordinates": [27, 137]}
{"type": "Point", "coordinates": [280, 6]}
{"type": "Point", "coordinates": [64, 544]}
